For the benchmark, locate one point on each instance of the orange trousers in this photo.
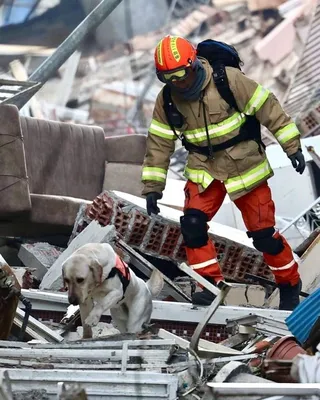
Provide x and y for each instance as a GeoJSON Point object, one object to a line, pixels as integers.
{"type": "Point", "coordinates": [258, 212]}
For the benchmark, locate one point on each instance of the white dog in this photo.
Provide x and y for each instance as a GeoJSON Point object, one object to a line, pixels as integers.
{"type": "Point", "coordinates": [97, 280]}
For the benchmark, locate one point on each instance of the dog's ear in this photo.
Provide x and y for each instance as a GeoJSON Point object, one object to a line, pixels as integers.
{"type": "Point", "coordinates": [64, 288]}
{"type": "Point", "coordinates": [96, 270]}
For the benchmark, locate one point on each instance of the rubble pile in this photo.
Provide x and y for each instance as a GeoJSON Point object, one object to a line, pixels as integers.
{"type": "Point", "coordinates": [187, 351]}
{"type": "Point", "coordinates": [114, 88]}
{"type": "Point", "coordinates": [42, 357]}
{"type": "Point", "coordinates": [259, 349]}
{"type": "Point", "coordinates": [160, 237]}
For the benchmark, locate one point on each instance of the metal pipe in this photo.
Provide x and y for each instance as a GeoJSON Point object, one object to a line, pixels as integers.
{"type": "Point", "coordinates": [260, 389]}
{"type": "Point", "coordinates": [68, 46]}
{"type": "Point", "coordinates": [296, 219]}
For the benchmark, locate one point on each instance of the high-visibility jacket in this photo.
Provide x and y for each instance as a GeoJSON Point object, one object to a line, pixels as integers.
{"type": "Point", "coordinates": [241, 167]}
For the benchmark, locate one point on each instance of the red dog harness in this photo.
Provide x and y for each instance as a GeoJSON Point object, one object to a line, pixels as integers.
{"type": "Point", "coordinates": [122, 270]}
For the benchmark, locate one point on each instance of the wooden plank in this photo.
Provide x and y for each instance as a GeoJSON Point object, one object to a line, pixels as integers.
{"type": "Point", "coordinates": [16, 50]}
{"type": "Point", "coordinates": [19, 72]}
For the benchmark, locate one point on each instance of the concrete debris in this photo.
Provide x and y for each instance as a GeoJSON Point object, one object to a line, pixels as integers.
{"type": "Point", "coordinates": [108, 83]}
{"type": "Point", "coordinates": [73, 392]}
{"type": "Point", "coordinates": [31, 395]}
{"type": "Point", "coordinates": [101, 330]}
{"type": "Point", "coordinates": [187, 351]}
{"type": "Point", "coordinates": [246, 295]}
{"type": "Point", "coordinates": [256, 5]}
{"type": "Point", "coordinates": [150, 236]}
{"type": "Point", "coordinates": [5, 386]}
{"type": "Point", "coordinates": [26, 277]}
{"type": "Point", "coordinates": [39, 256]}
{"type": "Point", "coordinates": [269, 48]}
{"type": "Point", "coordinates": [257, 346]}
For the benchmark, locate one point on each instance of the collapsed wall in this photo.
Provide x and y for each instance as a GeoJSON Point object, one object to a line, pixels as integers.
{"type": "Point", "coordinates": [162, 237]}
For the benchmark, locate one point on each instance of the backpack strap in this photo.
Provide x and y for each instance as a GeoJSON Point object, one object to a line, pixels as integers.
{"type": "Point", "coordinates": [123, 274]}
{"type": "Point", "coordinates": [173, 116]}
{"type": "Point", "coordinates": [221, 81]}
{"type": "Point", "coordinates": [251, 130]}
{"type": "Point", "coordinates": [175, 119]}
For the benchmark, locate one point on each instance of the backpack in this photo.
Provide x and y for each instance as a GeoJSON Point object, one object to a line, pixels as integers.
{"type": "Point", "coordinates": [219, 55]}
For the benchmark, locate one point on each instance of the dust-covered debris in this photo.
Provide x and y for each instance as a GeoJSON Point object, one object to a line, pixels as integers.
{"type": "Point", "coordinates": [31, 395]}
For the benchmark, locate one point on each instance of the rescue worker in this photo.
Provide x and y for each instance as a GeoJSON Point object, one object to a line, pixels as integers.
{"type": "Point", "coordinates": [241, 170]}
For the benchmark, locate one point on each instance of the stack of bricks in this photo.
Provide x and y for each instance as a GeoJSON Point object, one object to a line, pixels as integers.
{"type": "Point", "coordinates": [161, 237]}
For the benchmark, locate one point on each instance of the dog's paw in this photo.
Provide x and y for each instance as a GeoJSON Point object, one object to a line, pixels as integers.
{"type": "Point", "coordinates": [92, 320]}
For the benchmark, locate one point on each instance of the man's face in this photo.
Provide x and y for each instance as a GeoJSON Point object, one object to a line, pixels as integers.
{"type": "Point", "coordinates": [187, 82]}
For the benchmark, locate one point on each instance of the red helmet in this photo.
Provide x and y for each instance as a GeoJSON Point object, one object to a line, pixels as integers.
{"type": "Point", "coordinates": [173, 56]}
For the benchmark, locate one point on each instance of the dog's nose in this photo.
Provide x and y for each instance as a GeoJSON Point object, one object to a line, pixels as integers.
{"type": "Point", "coordinates": [73, 300]}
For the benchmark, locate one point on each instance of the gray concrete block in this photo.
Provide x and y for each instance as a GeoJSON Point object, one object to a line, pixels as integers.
{"type": "Point", "coordinates": [39, 257]}
{"type": "Point", "coordinates": [93, 233]}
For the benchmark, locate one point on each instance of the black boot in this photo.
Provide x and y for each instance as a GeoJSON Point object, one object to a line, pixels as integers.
{"type": "Point", "coordinates": [289, 296]}
{"type": "Point", "coordinates": [205, 297]}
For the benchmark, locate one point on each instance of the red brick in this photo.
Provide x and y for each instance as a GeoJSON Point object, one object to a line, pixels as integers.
{"type": "Point", "coordinates": [155, 237]}
{"type": "Point", "coordinates": [163, 238]}
{"type": "Point", "coordinates": [169, 245]}
{"type": "Point", "coordinates": [139, 227]}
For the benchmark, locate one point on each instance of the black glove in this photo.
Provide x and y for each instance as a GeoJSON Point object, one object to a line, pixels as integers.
{"type": "Point", "coordinates": [152, 199]}
{"type": "Point", "coordinates": [298, 162]}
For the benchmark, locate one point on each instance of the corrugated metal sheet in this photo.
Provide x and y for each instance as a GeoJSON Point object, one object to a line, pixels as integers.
{"type": "Point", "coordinates": [302, 319]}
{"type": "Point", "coordinates": [305, 88]}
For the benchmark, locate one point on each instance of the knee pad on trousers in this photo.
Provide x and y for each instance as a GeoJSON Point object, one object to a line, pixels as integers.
{"type": "Point", "coordinates": [194, 228]}
{"type": "Point", "coordinates": [264, 241]}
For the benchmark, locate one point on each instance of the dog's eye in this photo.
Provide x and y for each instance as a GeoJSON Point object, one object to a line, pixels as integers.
{"type": "Point", "coordinates": [80, 280]}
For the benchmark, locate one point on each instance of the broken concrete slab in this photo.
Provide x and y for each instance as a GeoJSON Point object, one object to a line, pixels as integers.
{"type": "Point", "coordinates": [279, 43]}
{"type": "Point", "coordinates": [257, 5]}
{"type": "Point", "coordinates": [39, 257]}
{"type": "Point", "coordinates": [244, 295]}
{"type": "Point", "coordinates": [93, 233]}
{"type": "Point", "coordinates": [5, 386]}
{"type": "Point", "coordinates": [26, 278]}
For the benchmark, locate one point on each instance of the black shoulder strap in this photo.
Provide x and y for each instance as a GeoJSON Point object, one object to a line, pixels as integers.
{"type": "Point", "coordinates": [167, 105]}
{"type": "Point", "coordinates": [221, 80]}
{"type": "Point", "coordinates": [174, 117]}
{"type": "Point", "coordinates": [125, 280]}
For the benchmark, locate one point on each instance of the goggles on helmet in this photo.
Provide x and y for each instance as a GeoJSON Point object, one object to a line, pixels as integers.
{"type": "Point", "coordinates": [174, 75]}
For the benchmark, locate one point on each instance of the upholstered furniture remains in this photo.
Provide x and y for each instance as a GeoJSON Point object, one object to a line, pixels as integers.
{"type": "Point", "coordinates": [48, 169]}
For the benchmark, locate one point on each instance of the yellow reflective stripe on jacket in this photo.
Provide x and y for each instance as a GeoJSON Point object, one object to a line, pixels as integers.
{"type": "Point", "coordinates": [288, 132]}
{"type": "Point", "coordinates": [200, 176]}
{"type": "Point", "coordinates": [216, 130]}
{"type": "Point", "coordinates": [257, 100]}
{"type": "Point", "coordinates": [248, 179]}
{"type": "Point", "coordinates": [154, 174]}
{"type": "Point", "coordinates": [162, 130]}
